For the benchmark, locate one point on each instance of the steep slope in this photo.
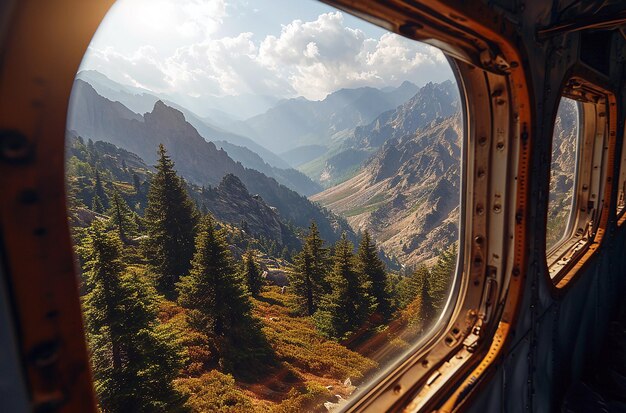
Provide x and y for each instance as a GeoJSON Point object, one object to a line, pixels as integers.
{"type": "Point", "coordinates": [407, 193]}
{"type": "Point", "coordinates": [297, 122]}
{"type": "Point", "coordinates": [231, 202]}
{"type": "Point", "coordinates": [432, 101]}
{"type": "Point", "coordinates": [199, 161]}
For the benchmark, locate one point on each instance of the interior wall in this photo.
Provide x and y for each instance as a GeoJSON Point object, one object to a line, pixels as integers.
{"type": "Point", "coordinates": [557, 336]}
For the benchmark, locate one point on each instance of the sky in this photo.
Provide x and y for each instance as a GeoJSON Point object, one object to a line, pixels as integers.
{"type": "Point", "coordinates": [280, 48]}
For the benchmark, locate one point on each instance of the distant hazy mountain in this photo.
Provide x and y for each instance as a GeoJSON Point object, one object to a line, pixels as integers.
{"type": "Point", "coordinates": [141, 100]}
{"type": "Point", "coordinates": [407, 193]}
{"type": "Point", "coordinates": [298, 122]}
{"type": "Point", "coordinates": [303, 154]}
{"type": "Point", "coordinates": [95, 117]}
{"type": "Point", "coordinates": [432, 101]}
{"type": "Point", "coordinates": [216, 110]}
{"type": "Point", "coordinates": [291, 178]}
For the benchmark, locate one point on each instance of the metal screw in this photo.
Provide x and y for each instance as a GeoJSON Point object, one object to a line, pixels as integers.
{"type": "Point", "coordinates": [14, 146]}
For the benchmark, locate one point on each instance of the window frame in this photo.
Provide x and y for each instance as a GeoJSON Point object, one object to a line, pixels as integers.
{"type": "Point", "coordinates": [594, 171]}
{"type": "Point", "coordinates": [620, 212]}
{"type": "Point", "coordinates": [477, 37]}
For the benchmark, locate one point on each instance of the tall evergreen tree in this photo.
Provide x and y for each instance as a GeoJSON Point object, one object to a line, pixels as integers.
{"type": "Point", "coordinates": [216, 299]}
{"type": "Point", "coordinates": [347, 306]}
{"type": "Point", "coordinates": [252, 273]}
{"type": "Point", "coordinates": [73, 203]}
{"type": "Point", "coordinates": [136, 183]}
{"type": "Point", "coordinates": [134, 360]}
{"type": "Point", "coordinates": [203, 209]}
{"type": "Point", "coordinates": [311, 266]}
{"type": "Point", "coordinates": [441, 277]}
{"type": "Point", "coordinates": [372, 269]}
{"type": "Point", "coordinates": [122, 217]}
{"type": "Point", "coordinates": [96, 205]}
{"type": "Point", "coordinates": [416, 299]}
{"type": "Point", "coordinates": [98, 190]}
{"type": "Point", "coordinates": [170, 219]}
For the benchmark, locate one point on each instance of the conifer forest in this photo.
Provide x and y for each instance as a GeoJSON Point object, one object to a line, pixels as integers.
{"type": "Point", "coordinates": [189, 312]}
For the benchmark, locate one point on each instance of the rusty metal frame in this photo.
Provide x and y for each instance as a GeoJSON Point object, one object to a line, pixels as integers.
{"type": "Point", "coordinates": [620, 209]}
{"type": "Point", "coordinates": [41, 51]}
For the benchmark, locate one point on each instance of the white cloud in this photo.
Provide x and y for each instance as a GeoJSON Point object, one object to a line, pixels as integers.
{"type": "Point", "coordinates": [310, 59]}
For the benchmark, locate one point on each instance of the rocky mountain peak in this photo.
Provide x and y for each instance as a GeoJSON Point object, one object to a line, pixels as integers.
{"type": "Point", "coordinates": [407, 193]}
{"type": "Point", "coordinates": [166, 116]}
{"type": "Point", "coordinates": [230, 183]}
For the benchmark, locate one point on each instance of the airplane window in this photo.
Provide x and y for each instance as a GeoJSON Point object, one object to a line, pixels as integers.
{"type": "Point", "coordinates": [562, 171]}
{"type": "Point", "coordinates": [580, 148]}
{"type": "Point", "coordinates": [264, 203]}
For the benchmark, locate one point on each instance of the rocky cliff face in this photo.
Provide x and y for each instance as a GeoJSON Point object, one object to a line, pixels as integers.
{"type": "Point", "coordinates": [231, 202]}
{"type": "Point", "coordinates": [407, 194]}
{"type": "Point", "coordinates": [432, 102]}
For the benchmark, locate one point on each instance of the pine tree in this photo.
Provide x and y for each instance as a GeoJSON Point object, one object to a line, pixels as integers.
{"type": "Point", "coordinates": [347, 306]}
{"type": "Point", "coordinates": [122, 217]}
{"type": "Point", "coordinates": [216, 299]}
{"type": "Point", "coordinates": [73, 203]}
{"type": "Point", "coordinates": [96, 205]}
{"type": "Point", "coordinates": [416, 299]}
{"type": "Point", "coordinates": [441, 277]}
{"type": "Point", "coordinates": [251, 273]}
{"type": "Point", "coordinates": [98, 190]}
{"type": "Point", "coordinates": [91, 149]}
{"type": "Point", "coordinates": [134, 359]}
{"type": "Point", "coordinates": [136, 183]}
{"type": "Point", "coordinates": [373, 270]}
{"type": "Point", "coordinates": [311, 266]}
{"type": "Point", "coordinates": [170, 220]}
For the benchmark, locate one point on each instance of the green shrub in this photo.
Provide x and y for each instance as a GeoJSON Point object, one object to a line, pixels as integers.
{"type": "Point", "coordinates": [214, 392]}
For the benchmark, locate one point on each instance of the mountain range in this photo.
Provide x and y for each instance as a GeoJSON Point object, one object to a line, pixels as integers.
{"type": "Point", "coordinates": [197, 160]}
{"type": "Point", "coordinates": [298, 122]}
{"type": "Point", "coordinates": [390, 160]}
{"type": "Point", "coordinates": [141, 101]}
{"type": "Point", "coordinates": [407, 193]}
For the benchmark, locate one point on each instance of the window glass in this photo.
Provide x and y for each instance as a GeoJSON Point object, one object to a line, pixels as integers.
{"type": "Point", "coordinates": [562, 171]}
{"type": "Point", "coordinates": [264, 202]}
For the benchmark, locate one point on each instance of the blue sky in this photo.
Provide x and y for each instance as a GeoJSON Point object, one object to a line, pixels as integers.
{"type": "Point", "coordinates": [274, 47]}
